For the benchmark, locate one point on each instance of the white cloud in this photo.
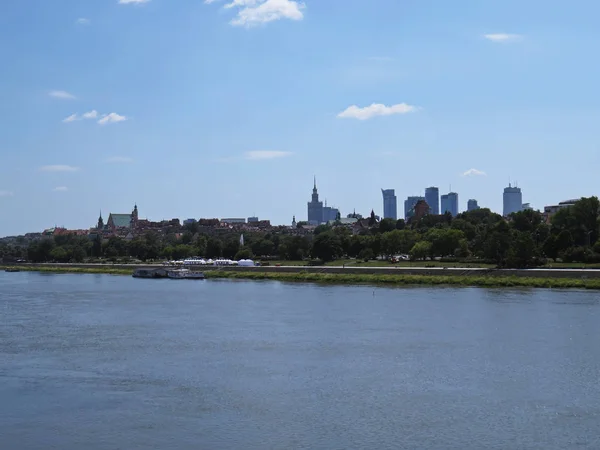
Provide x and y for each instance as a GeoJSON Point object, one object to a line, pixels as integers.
{"type": "Point", "coordinates": [83, 21]}
{"type": "Point", "coordinates": [60, 189]}
{"type": "Point", "coordinates": [90, 115]}
{"type": "Point", "coordinates": [71, 118]}
{"type": "Point", "coordinates": [132, 2]}
{"type": "Point", "coordinates": [255, 12]}
{"type": "Point", "coordinates": [6, 194]}
{"type": "Point", "coordinates": [502, 37]}
{"type": "Point", "coordinates": [376, 109]}
{"type": "Point", "coordinates": [111, 118]}
{"type": "Point", "coordinates": [59, 168]}
{"type": "Point", "coordinates": [265, 154]}
{"type": "Point", "coordinates": [63, 95]}
{"type": "Point", "coordinates": [119, 160]}
{"type": "Point", "coordinates": [473, 172]}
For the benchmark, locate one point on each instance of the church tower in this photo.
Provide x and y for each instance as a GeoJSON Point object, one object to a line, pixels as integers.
{"type": "Point", "coordinates": [294, 222]}
{"type": "Point", "coordinates": [134, 217]}
{"type": "Point", "coordinates": [100, 222]}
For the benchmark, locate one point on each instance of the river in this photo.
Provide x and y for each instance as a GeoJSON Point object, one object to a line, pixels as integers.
{"type": "Point", "coordinates": [104, 362]}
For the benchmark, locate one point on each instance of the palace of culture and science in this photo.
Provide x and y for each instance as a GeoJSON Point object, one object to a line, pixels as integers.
{"type": "Point", "coordinates": [317, 213]}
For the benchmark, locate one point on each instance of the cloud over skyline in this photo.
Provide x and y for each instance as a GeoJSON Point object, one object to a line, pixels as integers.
{"type": "Point", "coordinates": [374, 110]}
{"type": "Point", "coordinates": [473, 172]}
{"type": "Point", "coordinates": [502, 37]}
{"type": "Point", "coordinates": [252, 13]}
{"type": "Point", "coordinates": [111, 118]}
{"type": "Point", "coordinates": [63, 95]}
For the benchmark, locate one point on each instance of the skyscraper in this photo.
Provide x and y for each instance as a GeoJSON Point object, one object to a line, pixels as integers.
{"type": "Point", "coordinates": [450, 203]}
{"type": "Point", "coordinates": [512, 200]}
{"type": "Point", "coordinates": [390, 204]}
{"type": "Point", "coordinates": [472, 205]}
{"type": "Point", "coordinates": [315, 207]}
{"type": "Point", "coordinates": [432, 197]}
{"type": "Point", "coordinates": [409, 206]}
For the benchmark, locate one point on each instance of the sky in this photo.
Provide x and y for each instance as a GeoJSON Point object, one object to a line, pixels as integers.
{"type": "Point", "coordinates": [224, 108]}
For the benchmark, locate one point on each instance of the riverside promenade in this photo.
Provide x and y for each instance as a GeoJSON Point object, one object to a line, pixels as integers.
{"type": "Point", "coordinates": [349, 270]}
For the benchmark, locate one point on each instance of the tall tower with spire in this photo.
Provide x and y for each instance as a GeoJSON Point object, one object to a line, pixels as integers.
{"type": "Point", "coordinates": [100, 222]}
{"type": "Point", "coordinates": [134, 217]}
{"type": "Point", "coordinates": [315, 207]}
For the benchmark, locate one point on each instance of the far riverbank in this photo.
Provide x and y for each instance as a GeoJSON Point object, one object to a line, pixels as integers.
{"type": "Point", "coordinates": [537, 278]}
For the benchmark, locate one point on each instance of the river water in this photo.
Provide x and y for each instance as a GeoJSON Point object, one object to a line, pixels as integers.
{"type": "Point", "coordinates": [103, 362]}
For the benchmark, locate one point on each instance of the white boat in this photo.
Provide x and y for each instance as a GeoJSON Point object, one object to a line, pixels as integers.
{"type": "Point", "coordinates": [185, 274]}
{"type": "Point", "coordinates": [177, 274]}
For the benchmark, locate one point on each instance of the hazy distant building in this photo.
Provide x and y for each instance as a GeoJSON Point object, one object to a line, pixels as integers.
{"type": "Point", "coordinates": [253, 219]}
{"type": "Point", "coordinates": [526, 206]}
{"type": "Point", "coordinates": [432, 197]}
{"type": "Point", "coordinates": [450, 203]}
{"type": "Point", "coordinates": [315, 207]}
{"type": "Point", "coordinates": [512, 200]}
{"type": "Point", "coordinates": [472, 205]}
{"type": "Point", "coordinates": [390, 204]}
{"type": "Point", "coordinates": [409, 206]}
{"type": "Point", "coordinates": [330, 213]}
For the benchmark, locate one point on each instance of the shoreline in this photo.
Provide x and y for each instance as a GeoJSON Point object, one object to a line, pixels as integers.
{"type": "Point", "coordinates": [334, 277]}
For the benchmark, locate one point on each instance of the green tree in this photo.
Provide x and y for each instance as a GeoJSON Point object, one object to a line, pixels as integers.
{"type": "Point", "coordinates": [526, 221]}
{"type": "Point", "coordinates": [386, 225]}
{"type": "Point", "coordinates": [400, 224]}
{"type": "Point", "coordinates": [182, 251]}
{"type": "Point", "coordinates": [550, 247]}
{"type": "Point", "coordinates": [444, 241]}
{"type": "Point", "coordinates": [214, 248]}
{"type": "Point", "coordinates": [366, 254]}
{"type": "Point", "coordinates": [356, 246]}
{"type": "Point", "coordinates": [420, 250]}
{"type": "Point", "coordinates": [78, 254]}
{"type": "Point", "coordinates": [97, 247]}
{"type": "Point", "coordinates": [59, 254]}
{"type": "Point", "coordinates": [243, 253]}
{"type": "Point", "coordinates": [231, 247]}
{"type": "Point", "coordinates": [523, 252]}
{"type": "Point", "coordinates": [326, 246]}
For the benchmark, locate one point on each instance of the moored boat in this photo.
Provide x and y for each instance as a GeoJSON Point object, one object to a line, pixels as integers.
{"type": "Point", "coordinates": [12, 269]}
{"type": "Point", "coordinates": [185, 274]}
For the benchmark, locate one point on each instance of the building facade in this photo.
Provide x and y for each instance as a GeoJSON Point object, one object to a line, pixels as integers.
{"type": "Point", "coordinates": [450, 203]}
{"type": "Point", "coordinates": [409, 206]}
{"type": "Point", "coordinates": [330, 213]}
{"type": "Point", "coordinates": [512, 200]}
{"type": "Point", "coordinates": [315, 207]}
{"type": "Point", "coordinates": [432, 197]}
{"type": "Point", "coordinates": [390, 204]}
{"type": "Point", "coordinates": [472, 205]}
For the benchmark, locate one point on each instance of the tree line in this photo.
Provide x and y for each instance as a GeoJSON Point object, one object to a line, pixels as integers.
{"type": "Point", "coordinates": [524, 240]}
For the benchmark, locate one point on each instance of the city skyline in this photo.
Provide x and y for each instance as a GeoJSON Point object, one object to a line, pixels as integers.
{"type": "Point", "coordinates": [100, 110]}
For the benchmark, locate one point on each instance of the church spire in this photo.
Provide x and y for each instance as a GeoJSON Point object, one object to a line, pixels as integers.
{"type": "Point", "coordinates": [315, 183]}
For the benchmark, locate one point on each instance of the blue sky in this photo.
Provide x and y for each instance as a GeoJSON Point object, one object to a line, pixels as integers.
{"type": "Point", "coordinates": [220, 109]}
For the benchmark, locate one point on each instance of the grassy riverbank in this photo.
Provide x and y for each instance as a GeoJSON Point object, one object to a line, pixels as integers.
{"type": "Point", "coordinates": [407, 280]}
{"type": "Point", "coordinates": [67, 269]}
{"type": "Point", "coordinates": [374, 279]}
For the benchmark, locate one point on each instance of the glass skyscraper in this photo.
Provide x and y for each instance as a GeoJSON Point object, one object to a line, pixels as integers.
{"type": "Point", "coordinates": [512, 200]}
{"type": "Point", "coordinates": [432, 197]}
{"type": "Point", "coordinates": [390, 204]}
{"type": "Point", "coordinates": [472, 205]}
{"type": "Point", "coordinates": [450, 203]}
